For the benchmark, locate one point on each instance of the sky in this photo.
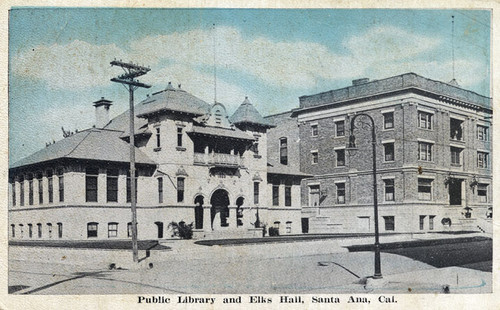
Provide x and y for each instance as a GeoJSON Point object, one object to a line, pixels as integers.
{"type": "Point", "coordinates": [59, 57]}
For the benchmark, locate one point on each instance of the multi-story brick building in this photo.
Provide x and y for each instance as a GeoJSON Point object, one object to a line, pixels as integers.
{"type": "Point", "coordinates": [433, 155]}
{"type": "Point", "coordinates": [194, 164]}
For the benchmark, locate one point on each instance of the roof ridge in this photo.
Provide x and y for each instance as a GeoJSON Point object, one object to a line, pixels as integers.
{"type": "Point", "coordinates": [89, 132]}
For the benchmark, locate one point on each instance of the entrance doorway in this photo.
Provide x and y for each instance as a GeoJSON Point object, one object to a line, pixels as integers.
{"type": "Point", "coordinates": [198, 212]}
{"type": "Point", "coordinates": [305, 225]}
{"type": "Point", "coordinates": [219, 212]}
{"type": "Point", "coordinates": [455, 191]}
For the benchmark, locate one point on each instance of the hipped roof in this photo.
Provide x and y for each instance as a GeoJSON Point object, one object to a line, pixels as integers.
{"type": "Point", "coordinates": [248, 114]}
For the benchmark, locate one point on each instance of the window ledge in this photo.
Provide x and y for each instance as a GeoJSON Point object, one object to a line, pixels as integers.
{"type": "Point", "coordinates": [388, 161]}
{"type": "Point", "coordinates": [388, 129]}
{"type": "Point", "coordinates": [456, 165]}
{"type": "Point", "coordinates": [180, 148]}
{"type": "Point", "coordinates": [339, 137]}
{"type": "Point", "coordinates": [157, 149]}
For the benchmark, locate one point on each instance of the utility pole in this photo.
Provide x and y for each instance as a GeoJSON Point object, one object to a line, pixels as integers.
{"type": "Point", "coordinates": [131, 84]}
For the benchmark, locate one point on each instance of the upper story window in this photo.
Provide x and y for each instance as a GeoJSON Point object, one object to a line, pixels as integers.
{"type": "Point", "coordinates": [30, 189]}
{"type": "Point", "coordinates": [482, 133]}
{"type": "Point", "coordinates": [14, 193]}
{"type": "Point", "coordinates": [256, 193]}
{"type": "Point", "coordinates": [39, 178]}
{"type": "Point", "coordinates": [425, 151]}
{"type": "Point", "coordinates": [424, 120]}
{"type": "Point", "coordinates": [288, 195]}
{"type": "Point", "coordinates": [424, 189]}
{"type": "Point", "coordinates": [314, 157]}
{"type": "Point", "coordinates": [340, 128]}
{"type": "Point", "coordinates": [284, 151]}
{"type": "Point", "coordinates": [60, 176]}
{"type": "Point", "coordinates": [456, 154]}
{"type": "Point", "coordinates": [160, 190]}
{"type": "Point", "coordinates": [388, 120]}
{"type": "Point", "coordinates": [340, 193]}
{"type": "Point", "coordinates": [389, 189]}
{"type": "Point", "coordinates": [314, 130]}
{"type": "Point", "coordinates": [91, 176]}
{"type": "Point", "coordinates": [456, 128]}
{"type": "Point", "coordinates": [21, 190]}
{"type": "Point", "coordinates": [112, 185]}
{"type": "Point", "coordinates": [158, 140]}
{"type": "Point", "coordinates": [389, 151]}
{"type": "Point", "coordinates": [276, 195]}
{"type": "Point", "coordinates": [50, 179]}
{"type": "Point", "coordinates": [180, 189]}
{"type": "Point", "coordinates": [179, 136]}
{"type": "Point", "coordinates": [482, 160]}
{"type": "Point", "coordinates": [340, 156]}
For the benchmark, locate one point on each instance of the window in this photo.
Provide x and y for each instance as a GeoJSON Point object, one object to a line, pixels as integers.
{"type": "Point", "coordinates": [39, 228]}
{"type": "Point", "coordinates": [389, 189]}
{"type": "Point", "coordinates": [431, 222]}
{"type": "Point", "coordinates": [421, 221]}
{"type": "Point", "coordinates": [21, 230]}
{"type": "Point", "coordinates": [314, 130]}
{"type": "Point", "coordinates": [276, 195]}
{"type": "Point", "coordinates": [30, 230]}
{"type": "Point", "coordinates": [389, 151]}
{"type": "Point", "coordinates": [14, 193]}
{"type": "Point", "coordinates": [179, 137]}
{"type": "Point", "coordinates": [13, 230]}
{"type": "Point", "coordinates": [424, 189]}
{"type": "Point", "coordinates": [21, 191]}
{"type": "Point", "coordinates": [256, 193]}
{"type": "Point", "coordinates": [314, 196]}
{"type": "Point", "coordinates": [340, 128]}
{"type": "Point", "coordinates": [112, 230]}
{"type": "Point", "coordinates": [112, 185]}
{"type": "Point", "coordinates": [455, 155]}
{"type": "Point", "coordinates": [456, 129]}
{"type": "Point", "coordinates": [160, 190]}
{"type": "Point", "coordinates": [389, 223]}
{"type": "Point", "coordinates": [59, 230]}
{"type": "Point", "coordinates": [49, 229]}
{"type": "Point", "coordinates": [284, 151]}
{"type": "Point", "coordinates": [180, 189]}
{"type": "Point", "coordinates": [129, 229]}
{"type": "Point", "coordinates": [288, 195]}
{"type": "Point", "coordinates": [424, 120]}
{"type": "Point", "coordinates": [288, 227]}
{"type": "Point", "coordinates": [388, 120]}
{"type": "Point", "coordinates": [425, 151]}
{"type": "Point", "coordinates": [340, 193]}
{"type": "Point", "coordinates": [39, 178]}
{"type": "Point", "coordinates": [129, 195]}
{"type": "Point", "coordinates": [91, 175]}
{"type": "Point", "coordinates": [482, 192]}
{"type": "Point", "coordinates": [30, 189]}
{"type": "Point", "coordinates": [60, 176]}
{"type": "Point", "coordinates": [50, 180]}
{"type": "Point", "coordinates": [314, 157]}
{"type": "Point", "coordinates": [340, 158]}
{"type": "Point", "coordinates": [158, 143]}
{"type": "Point", "coordinates": [482, 133]}
{"type": "Point", "coordinates": [92, 230]}
{"type": "Point", "coordinates": [482, 159]}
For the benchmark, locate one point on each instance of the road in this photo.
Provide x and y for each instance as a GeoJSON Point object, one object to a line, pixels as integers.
{"type": "Point", "coordinates": [232, 270]}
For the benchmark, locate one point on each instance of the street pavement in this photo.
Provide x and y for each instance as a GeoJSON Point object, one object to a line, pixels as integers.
{"type": "Point", "coordinates": [300, 267]}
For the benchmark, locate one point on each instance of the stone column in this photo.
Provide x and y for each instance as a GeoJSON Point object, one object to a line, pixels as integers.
{"type": "Point", "coordinates": [207, 225]}
{"type": "Point", "coordinates": [231, 219]}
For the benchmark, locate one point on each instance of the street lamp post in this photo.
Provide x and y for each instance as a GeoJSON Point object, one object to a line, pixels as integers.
{"type": "Point", "coordinates": [352, 147]}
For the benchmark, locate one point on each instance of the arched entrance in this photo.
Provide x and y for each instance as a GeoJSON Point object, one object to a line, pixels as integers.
{"type": "Point", "coordinates": [198, 212]}
{"type": "Point", "coordinates": [219, 212]}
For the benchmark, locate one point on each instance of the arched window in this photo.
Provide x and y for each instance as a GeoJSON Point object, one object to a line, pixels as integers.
{"type": "Point", "coordinates": [92, 230]}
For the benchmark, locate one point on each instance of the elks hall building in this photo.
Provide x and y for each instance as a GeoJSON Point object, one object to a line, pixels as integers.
{"type": "Point", "coordinates": [230, 176]}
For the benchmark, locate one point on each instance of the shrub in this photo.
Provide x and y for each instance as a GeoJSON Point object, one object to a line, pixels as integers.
{"type": "Point", "coordinates": [273, 231]}
{"type": "Point", "coordinates": [181, 229]}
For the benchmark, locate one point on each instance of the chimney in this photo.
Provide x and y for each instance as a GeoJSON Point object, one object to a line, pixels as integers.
{"type": "Point", "coordinates": [102, 112]}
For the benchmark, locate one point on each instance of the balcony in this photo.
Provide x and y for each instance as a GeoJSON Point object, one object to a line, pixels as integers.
{"type": "Point", "coordinates": [218, 160]}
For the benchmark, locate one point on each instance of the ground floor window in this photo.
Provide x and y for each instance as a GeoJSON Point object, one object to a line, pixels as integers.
{"type": "Point", "coordinates": [21, 230]}
{"type": "Point", "coordinates": [288, 227]}
{"type": "Point", "coordinates": [482, 190]}
{"type": "Point", "coordinates": [340, 193]}
{"type": "Point", "coordinates": [389, 223]}
{"type": "Point", "coordinates": [39, 226]}
{"type": "Point", "coordinates": [129, 229]}
{"type": "Point", "coordinates": [421, 221]}
{"type": "Point", "coordinates": [13, 230]}
{"type": "Point", "coordinates": [112, 230]}
{"type": "Point", "coordinates": [49, 228]}
{"type": "Point", "coordinates": [30, 230]}
{"type": "Point", "coordinates": [431, 222]}
{"type": "Point", "coordinates": [59, 230]}
{"type": "Point", "coordinates": [424, 189]}
{"type": "Point", "coordinates": [92, 230]}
